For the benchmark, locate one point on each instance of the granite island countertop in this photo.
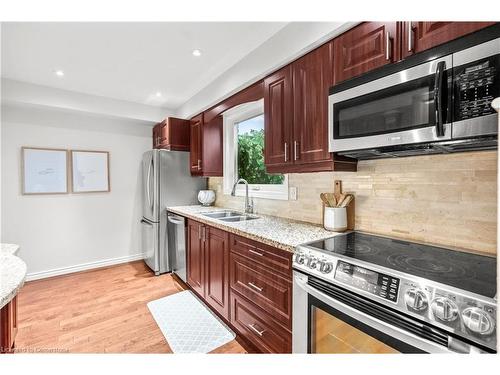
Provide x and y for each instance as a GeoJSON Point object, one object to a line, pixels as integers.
{"type": "Point", "coordinates": [12, 273]}
{"type": "Point", "coordinates": [275, 231]}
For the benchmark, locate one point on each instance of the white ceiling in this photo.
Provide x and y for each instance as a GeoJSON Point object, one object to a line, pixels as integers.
{"type": "Point", "coordinates": [129, 61]}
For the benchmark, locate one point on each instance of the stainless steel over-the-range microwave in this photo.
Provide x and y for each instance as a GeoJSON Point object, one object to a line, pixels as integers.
{"type": "Point", "coordinates": [441, 103]}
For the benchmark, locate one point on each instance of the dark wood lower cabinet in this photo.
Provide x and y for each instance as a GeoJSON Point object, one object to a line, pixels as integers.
{"type": "Point", "coordinates": [264, 287]}
{"type": "Point", "coordinates": [8, 326]}
{"type": "Point", "coordinates": [247, 283]}
{"type": "Point", "coordinates": [195, 257]}
{"type": "Point", "coordinates": [208, 265]}
{"type": "Point", "coordinates": [217, 270]}
{"type": "Point", "coordinates": [258, 327]}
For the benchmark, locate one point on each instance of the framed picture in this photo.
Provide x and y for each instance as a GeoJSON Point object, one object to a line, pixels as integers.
{"type": "Point", "coordinates": [90, 171]}
{"type": "Point", "coordinates": [44, 170]}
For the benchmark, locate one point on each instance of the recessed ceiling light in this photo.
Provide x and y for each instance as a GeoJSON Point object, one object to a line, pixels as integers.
{"type": "Point", "coordinates": [59, 73]}
{"type": "Point", "coordinates": [158, 94]}
{"type": "Point", "coordinates": [196, 52]}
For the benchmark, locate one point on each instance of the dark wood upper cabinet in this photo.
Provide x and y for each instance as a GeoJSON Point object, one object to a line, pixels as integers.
{"type": "Point", "coordinates": [296, 116]}
{"type": "Point", "coordinates": [206, 146]}
{"type": "Point", "coordinates": [212, 149]}
{"type": "Point", "coordinates": [421, 35]}
{"type": "Point", "coordinates": [217, 270]}
{"type": "Point", "coordinates": [195, 150]}
{"type": "Point", "coordinates": [365, 47]}
{"type": "Point", "coordinates": [278, 117]}
{"type": "Point", "coordinates": [249, 94]}
{"type": "Point", "coordinates": [171, 134]}
{"type": "Point", "coordinates": [312, 78]}
{"type": "Point", "coordinates": [195, 257]}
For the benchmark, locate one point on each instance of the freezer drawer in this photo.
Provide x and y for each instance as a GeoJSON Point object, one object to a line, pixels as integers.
{"type": "Point", "coordinates": [149, 244]}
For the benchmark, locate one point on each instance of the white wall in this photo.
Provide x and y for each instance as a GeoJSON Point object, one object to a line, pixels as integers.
{"type": "Point", "coordinates": [291, 42]}
{"type": "Point", "coordinates": [66, 231]}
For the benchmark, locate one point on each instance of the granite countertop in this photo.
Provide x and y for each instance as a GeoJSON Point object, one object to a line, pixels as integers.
{"type": "Point", "coordinates": [9, 248]}
{"type": "Point", "coordinates": [12, 273]}
{"type": "Point", "coordinates": [279, 232]}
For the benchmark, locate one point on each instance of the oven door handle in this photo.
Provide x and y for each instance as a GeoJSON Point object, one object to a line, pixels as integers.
{"type": "Point", "coordinates": [401, 335]}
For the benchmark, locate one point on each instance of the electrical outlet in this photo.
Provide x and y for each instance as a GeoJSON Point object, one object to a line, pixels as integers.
{"type": "Point", "coordinates": [292, 193]}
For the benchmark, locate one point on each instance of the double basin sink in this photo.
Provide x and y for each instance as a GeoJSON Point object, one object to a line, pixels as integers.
{"type": "Point", "coordinates": [229, 216]}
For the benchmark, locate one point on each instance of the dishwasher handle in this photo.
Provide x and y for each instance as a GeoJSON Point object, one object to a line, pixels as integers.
{"type": "Point", "coordinates": [175, 220]}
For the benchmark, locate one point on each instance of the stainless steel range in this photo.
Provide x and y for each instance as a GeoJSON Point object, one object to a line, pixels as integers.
{"type": "Point", "coordinates": [357, 292]}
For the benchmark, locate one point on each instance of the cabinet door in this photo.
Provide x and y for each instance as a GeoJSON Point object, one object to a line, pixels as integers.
{"type": "Point", "coordinates": [217, 270]}
{"type": "Point", "coordinates": [419, 36]}
{"type": "Point", "coordinates": [364, 48]}
{"type": "Point", "coordinates": [195, 149]}
{"type": "Point", "coordinates": [156, 135]}
{"type": "Point", "coordinates": [195, 257]}
{"type": "Point", "coordinates": [212, 147]}
{"type": "Point", "coordinates": [312, 78]}
{"type": "Point", "coordinates": [278, 117]}
{"type": "Point", "coordinates": [8, 326]}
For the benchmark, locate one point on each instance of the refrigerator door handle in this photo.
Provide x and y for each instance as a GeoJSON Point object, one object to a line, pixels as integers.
{"type": "Point", "coordinates": [149, 183]}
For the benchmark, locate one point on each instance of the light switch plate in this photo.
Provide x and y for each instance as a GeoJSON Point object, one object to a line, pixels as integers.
{"type": "Point", "coordinates": [292, 193]}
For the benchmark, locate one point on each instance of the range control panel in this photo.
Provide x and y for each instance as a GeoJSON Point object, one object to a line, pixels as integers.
{"type": "Point", "coordinates": [370, 281]}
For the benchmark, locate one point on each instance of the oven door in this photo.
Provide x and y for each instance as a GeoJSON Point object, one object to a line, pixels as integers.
{"type": "Point", "coordinates": [328, 319]}
{"type": "Point", "coordinates": [411, 106]}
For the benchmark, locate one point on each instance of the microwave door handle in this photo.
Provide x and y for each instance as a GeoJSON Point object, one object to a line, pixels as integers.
{"type": "Point", "coordinates": [438, 98]}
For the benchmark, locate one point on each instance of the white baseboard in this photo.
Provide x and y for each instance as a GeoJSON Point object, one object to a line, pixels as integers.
{"type": "Point", "coordinates": [82, 267]}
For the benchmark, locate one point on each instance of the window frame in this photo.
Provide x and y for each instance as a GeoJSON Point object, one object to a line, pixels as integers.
{"type": "Point", "coordinates": [231, 117]}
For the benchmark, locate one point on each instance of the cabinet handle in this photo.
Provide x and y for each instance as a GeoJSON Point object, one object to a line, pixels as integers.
{"type": "Point", "coordinates": [259, 289]}
{"type": "Point", "coordinates": [199, 232]}
{"type": "Point", "coordinates": [295, 144]}
{"type": "Point", "coordinates": [255, 252]}
{"type": "Point", "coordinates": [252, 327]}
{"type": "Point", "coordinates": [204, 233]}
{"type": "Point", "coordinates": [387, 45]}
{"type": "Point", "coordinates": [199, 164]}
{"type": "Point", "coordinates": [410, 37]}
{"type": "Point", "coordinates": [286, 152]}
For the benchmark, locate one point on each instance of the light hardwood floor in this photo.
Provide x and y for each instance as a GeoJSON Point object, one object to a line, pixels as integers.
{"type": "Point", "coordinates": [98, 311]}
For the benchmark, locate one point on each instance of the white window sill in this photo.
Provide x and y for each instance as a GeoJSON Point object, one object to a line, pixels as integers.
{"type": "Point", "coordinates": [281, 194]}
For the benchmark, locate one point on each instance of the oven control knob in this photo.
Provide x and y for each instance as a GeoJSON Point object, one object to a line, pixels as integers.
{"type": "Point", "coordinates": [326, 267]}
{"type": "Point", "coordinates": [415, 299]}
{"type": "Point", "coordinates": [444, 309]}
{"type": "Point", "coordinates": [312, 262]}
{"type": "Point", "coordinates": [300, 258]}
{"type": "Point", "coordinates": [478, 321]}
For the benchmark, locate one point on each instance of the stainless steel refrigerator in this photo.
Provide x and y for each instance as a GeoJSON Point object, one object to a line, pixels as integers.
{"type": "Point", "coordinates": [166, 181]}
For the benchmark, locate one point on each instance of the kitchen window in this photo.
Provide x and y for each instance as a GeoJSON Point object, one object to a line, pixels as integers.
{"type": "Point", "coordinates": [244, 154]}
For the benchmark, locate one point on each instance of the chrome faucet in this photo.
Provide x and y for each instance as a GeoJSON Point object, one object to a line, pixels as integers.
{"type": "Point", "coordinates": [248, 204]}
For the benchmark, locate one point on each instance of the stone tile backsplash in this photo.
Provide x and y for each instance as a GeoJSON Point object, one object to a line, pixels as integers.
{"type": "Point", "coordinates": [449, 200]}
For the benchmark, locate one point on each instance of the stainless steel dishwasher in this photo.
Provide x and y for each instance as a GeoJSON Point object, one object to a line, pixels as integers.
{"type": "Point", "coordinates": [177, 244]}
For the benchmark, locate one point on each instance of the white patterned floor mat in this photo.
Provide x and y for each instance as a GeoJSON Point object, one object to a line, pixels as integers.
{"type": "Point", "coordinates": [188, 325]}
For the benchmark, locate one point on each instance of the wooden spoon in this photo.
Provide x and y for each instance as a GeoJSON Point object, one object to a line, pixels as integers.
{"type": "Point", "coordinates": [325, 200]}
{"type": "Point", "coordinates": [347, 200]}
{"type": "Point", "coordinates": [342, 197]}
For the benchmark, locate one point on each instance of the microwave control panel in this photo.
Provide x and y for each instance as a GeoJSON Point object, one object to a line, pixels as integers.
{"type": "Point", "coordinates": [476, 85]}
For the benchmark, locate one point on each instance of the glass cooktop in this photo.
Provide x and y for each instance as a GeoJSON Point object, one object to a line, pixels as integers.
{"type": "Point", "coordinates": [466, 271]}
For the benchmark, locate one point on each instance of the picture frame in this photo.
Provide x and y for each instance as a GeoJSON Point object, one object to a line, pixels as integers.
{"type": "Point", "coordinates": [90, 171]}
{"type": "Point", "coordinates": [44, 171]}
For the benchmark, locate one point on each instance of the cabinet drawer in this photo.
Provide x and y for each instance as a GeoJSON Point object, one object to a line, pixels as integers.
{"type": "Point", "coordinates": [270, 291]}
{"type": "Point", "coordinates": [278, 260]}
{"type": "Point", "coordinates": [258, 327]}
